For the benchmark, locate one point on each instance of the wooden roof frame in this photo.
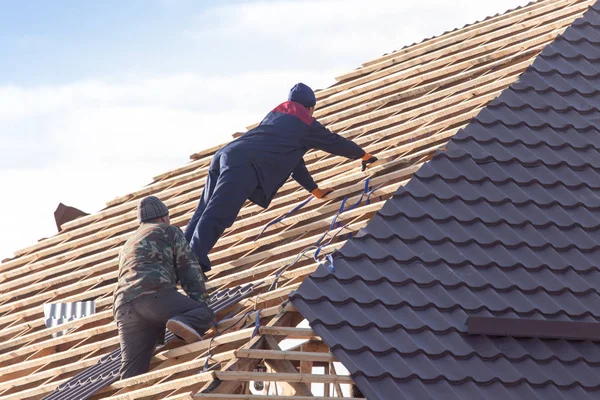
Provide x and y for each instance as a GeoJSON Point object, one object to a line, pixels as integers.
{"type": "Point", "coordinates": [405, 104]}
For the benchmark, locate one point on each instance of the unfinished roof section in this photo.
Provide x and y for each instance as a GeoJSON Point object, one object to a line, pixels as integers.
{"type": "Point", "coordinates": [503, 222]}
{"type": "Point", "coordinates": [405, 104]}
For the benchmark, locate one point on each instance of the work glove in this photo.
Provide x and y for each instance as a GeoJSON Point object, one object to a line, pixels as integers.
{"type": "Point", "coordinates": [366, 160]}
{"type": "Point", "coordinates": [320, 193]}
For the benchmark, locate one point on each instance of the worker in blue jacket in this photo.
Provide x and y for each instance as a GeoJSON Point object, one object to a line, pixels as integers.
{"type": "Point", "coordinates": [257, 164]}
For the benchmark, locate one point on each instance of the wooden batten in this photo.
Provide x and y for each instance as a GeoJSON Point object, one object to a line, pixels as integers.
{"type": "Point", "coordinates": [402, 107]}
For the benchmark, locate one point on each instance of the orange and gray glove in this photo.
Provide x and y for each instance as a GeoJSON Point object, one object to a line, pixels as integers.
{"type": "Point", "coordinates": [366, 160]}
{"type": "Point", "coordinates": [320, 193]}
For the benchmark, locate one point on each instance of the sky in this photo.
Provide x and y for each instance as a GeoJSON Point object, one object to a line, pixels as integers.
{"type": "Point", "coordinates": [98, 97]}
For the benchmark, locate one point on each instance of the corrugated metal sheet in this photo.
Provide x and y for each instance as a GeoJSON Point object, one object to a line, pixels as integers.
{"type": "Point", "coordinates": [60, 313]}
{"type": "Point", "coordinates": [504, 222]}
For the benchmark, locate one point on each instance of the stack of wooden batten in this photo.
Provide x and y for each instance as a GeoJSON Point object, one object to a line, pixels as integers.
{"type": "Point", "coordinates": [405, 104]}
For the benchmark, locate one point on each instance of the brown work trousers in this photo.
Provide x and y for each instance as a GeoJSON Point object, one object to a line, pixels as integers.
{"type": "Point", "coordinates": [141, 323]}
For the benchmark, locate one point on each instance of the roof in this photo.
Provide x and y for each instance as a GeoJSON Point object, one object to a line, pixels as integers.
{"type": "Point", "coordinates": [405, 104]}
{"type": "Point", "coordinates": [435, 297]}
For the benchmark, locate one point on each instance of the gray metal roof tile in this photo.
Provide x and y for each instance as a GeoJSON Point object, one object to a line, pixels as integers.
{"type": "Point", "coordinates": [504, 221]}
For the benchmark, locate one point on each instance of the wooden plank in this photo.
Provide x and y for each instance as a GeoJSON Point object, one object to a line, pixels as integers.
{"type": "Point", "coordinates": [326, 389]}
{"type": "Point", "coordinates": [289, 332]}
{"type": "Point", "coordinates": [157, 186]}
{"type": "Point", "coordinates": [331, 207]}
{"type": "Point", "coordinates": [153, 188]}
{"type": "Point", "coordinates": [393, 88]}
{"type": "Point", "coordinates": [35, 392]}
{"type": "Point", "coordinates": [109, 289]}
{"type": "Point", "coordinates": [47, 332]}
{"type": "Point", "coordinates": [60, 258]}
{"type": "Point", "coordinates": [31, 276]}
{"type": "Point", "coordinates": [364, 211]}
{"type": "Point", "coordinates": [165, 386]}
{"type": "Point", "coordinates": [266, 312]}
{"type": "Point", "coordinates": [281, 319]}
{"type": "Point", "coordinates": [285, 366]}
{"type": "Point", "coordinates": [193, 164]}
{"type": "Point", "coordinates": [423, 94]}
{"type": "Point", "coordinates": [183, 396]}
{"type": "Point", "coordinates": [327, 212]}
{"type": "Point", "coordinates": [281, 377]}
{"type": "Point", "coordinates": [268, 267]}
{"type": "Point", "coordinates": [285, 355]}
{"type": "Point", "coordinates": [207, 152]}
{"type": "Point", "coordinates": [126, 212]}
{"type": "Point", "coordinates": [112, 274]}
{"type": "Point", "coordinates": [38, 310]}
{"type": "Point", "coordinates": [151, 376]}
{"type": "Point", "coordinates": [212, 396]}
{"type": "Point", "coordinates": [535, 35]}
{"type": "Point", "coordinates": [59, 280]}
{"type": "Point", "coordinates": [80, 251]}
{"type": "Point", "coordinates": [471, 107]}
{"type": "Point", "coordinates": [87, 281]}
{"type": "Point", "coordinates": [298, 244]}
{"type": "Point", "coordinates": [337, 195]}
{"type": "Point", "coordinates": [337, 386]}
{"type": "Point", "coordinates": [55, 294]}
{"type": "Point", "coordinates": [485, 63]}
{"type": "Point", "coordinates": [83, 238]}
{"type": "Point", "coordinates": [61, 340]}
{"type": "Point", "coordinates": [503, 28]}
{"type": "Point", "coordinates": [464, 33]}
{"type": "Point", "coordinates": [203, 345]}
{"type": "Point", "coordinates": [50, 373]}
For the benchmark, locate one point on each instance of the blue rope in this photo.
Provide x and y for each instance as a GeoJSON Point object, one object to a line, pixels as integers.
{"type": "Point", "coordinates": [256, 323]}
{"type": "Point", "coordinates": [341, 210]}
{"type": "Point", "coordinates": [333, 222]}
{"type": "Point", "coordinates": [279, 219]}
{"type": "Point", "coordinates": [330, 259]}
{"type": "Point", "coordinates": [368, 201]}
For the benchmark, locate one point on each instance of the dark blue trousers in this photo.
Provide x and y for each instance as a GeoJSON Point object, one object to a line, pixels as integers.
{"type": "Point", "coordinates": [230, 182]}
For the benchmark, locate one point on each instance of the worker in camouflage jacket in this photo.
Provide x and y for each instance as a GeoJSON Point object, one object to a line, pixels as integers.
{"type": "Point", "coordinates": [254, 167]}
{"type": "Point", "coordinates": [146, 300]}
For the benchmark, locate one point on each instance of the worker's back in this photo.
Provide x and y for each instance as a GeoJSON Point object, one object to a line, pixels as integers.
{"type": "Point", "coordinates": [278, 137]}
{"type": "Point", "coordinates": [276, 146]}
{"type": "Point", "coordinates": [146, 262]}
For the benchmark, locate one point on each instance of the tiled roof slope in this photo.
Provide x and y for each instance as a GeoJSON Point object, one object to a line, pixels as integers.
{"type": "Point", "coordinates": [503, 222]}
{"type": "Point", "coordinates": [407, 103]}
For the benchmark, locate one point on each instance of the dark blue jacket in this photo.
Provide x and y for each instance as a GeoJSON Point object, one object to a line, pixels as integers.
{"type": "Point", "coordinates": [275, 149]}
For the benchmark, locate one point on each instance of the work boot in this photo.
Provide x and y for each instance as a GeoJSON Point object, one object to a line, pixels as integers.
{"type": "Point", "coordinates": [183, 331]}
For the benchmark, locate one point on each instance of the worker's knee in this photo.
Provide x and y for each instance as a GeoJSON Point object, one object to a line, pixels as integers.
{"type": "Point", "coordinates": [219, 220]}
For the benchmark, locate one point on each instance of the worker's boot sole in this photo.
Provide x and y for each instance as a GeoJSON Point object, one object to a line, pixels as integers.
{"type": "Point", "coordinates": [184, 331]}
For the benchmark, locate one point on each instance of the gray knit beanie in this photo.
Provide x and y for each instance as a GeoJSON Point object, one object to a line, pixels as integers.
{"type": "Point", "coordinates": [150, 208]}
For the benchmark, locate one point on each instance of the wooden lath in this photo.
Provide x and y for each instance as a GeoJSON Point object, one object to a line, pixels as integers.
{"type": "Point", "coordinates": [488, 25]}
{"type": "Point", "coordinates": [482, 41]}
{"type": "Point", "coordinates": [556, 6]}
{"type": "Point", "coordinates": [405, 104]}
{"type": "Point", "coordinates": [269, 238]}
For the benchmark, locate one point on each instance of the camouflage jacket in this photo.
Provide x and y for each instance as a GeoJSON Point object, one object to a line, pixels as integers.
{"type": "Point", "coordinates": [155, 258]}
